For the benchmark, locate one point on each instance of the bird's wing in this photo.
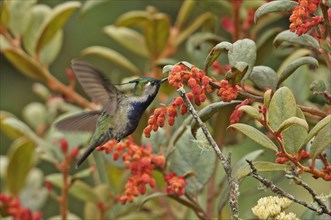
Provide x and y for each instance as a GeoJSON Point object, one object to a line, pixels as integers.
{"type": "Point", "coordinates": [98, 87]}
{"type": "Point", "coordinates": [85, 121]}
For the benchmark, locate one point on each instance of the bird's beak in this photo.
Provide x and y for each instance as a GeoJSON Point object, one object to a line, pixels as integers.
{"type": "Point", "coordinates": [163, 80]}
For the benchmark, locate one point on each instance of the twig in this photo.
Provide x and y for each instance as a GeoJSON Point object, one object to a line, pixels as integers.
{"type": "Point", "coordinates": [298, 181]}
{"type": "Point", "coordinates": [226, 162]}
{"type": "Point", "coordinates": [313, 111]}
{"type": "Point", "coordinates": [278, 190]}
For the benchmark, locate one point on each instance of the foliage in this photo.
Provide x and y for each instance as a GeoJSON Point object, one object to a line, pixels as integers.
{"type": "Point", "coordinates": [243, 62]}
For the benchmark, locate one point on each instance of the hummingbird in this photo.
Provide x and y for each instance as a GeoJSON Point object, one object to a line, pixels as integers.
{"type": "Point", "coordinates": [120, 113]}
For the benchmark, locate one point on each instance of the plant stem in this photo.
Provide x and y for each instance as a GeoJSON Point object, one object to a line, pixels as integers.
{"type": "Point", "coordinates": [278, 190]}
{"type": "Point", "coordinates": [65, 189]}
{"type": "Point", "coordinates": [226, 162]}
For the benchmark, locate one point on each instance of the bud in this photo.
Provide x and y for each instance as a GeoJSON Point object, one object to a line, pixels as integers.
{"type": "Point", "coordinates": [64, 145]}
{"type": "Point", "coordinates": [74, 152]}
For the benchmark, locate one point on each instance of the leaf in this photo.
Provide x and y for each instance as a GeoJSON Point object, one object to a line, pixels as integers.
{"type": "Point", "coordinates": [7, 129]}
{"type": "Point", "coordinates": [217, 7]}
{"type": "Point", "coordinates": [157, 140]}
{"type": "Point", "coordinates": [35, 114]}
{"type": "Point", "coordinates": [292, 121]}
{"type": "Point", "coordinates": [133, 19]}
{"type": "Point", "coordinates": [264, 77]}
{"type": "Point", "coordinates": [39, 14]}
{"type": "Point", "coordinates": [243, 51]}
{"type": "Point", "coordinates": [90, 4]}
{"type": "Point", "coordinates": [305, 40]}
{"type": "Point", "coordinates": [321, 141]}
{"type": "Point", "coordinates": [18, 15]}
{"type": "Point", "coordinates": [261, 166]}
{"type": "Point", "coordinates": [282, 106]}
{"type": "Point", "coordinates": [78, 189]}
{"type": "Point", "coordinates": [255, 135]}
{"type": "Point", "coordinates": [184, 11]}
{"type": "Point", "coordinates": [150, 197]}
{"type": "Point", "coordinates": [20, 162]}
{"type": "Point", "coordinates": [4, 43]}
{"type": "Point", "coordinates": [128, 38]}
{"type": "Point", "coordinates": [321, 124]}
{"type": "Point", "coordinates": [251, 111]}
{"type": "Point", "coordinates": [157, 32]}
{"type": "Point", "coordinates": [264, 44]}
{"type": "Point", "coordinates": [294, 135]}
{"type": "Point", "coordinates": [241, 164]}
{"type": "Point", "coordinates": [194, 26]}
{"type": "Point", "coordinates": [25, 64]}
{"type": "Point", "coordinates": [274, 6]}
{"type": "Point", "coordinates": [291, 67]}
{"type": "Point", "coordinates": [238, 70]}
{"type": "Point", "coordinates": [55, 22]}
{"type": "Point", "coordinates": [293, 56]}
{"type": "Point", "coordinates": [112, 56]}
{"type": "Point", "coordinates": [208, 111]}
{"type": "Point", "coordinates": [189, 158]}
{"type": "Point", "coordinates": [22, 128]}
{"type": "Point", "coordinates": [50, 51]}
{"type": "Point", "coordinates": [216, 52]}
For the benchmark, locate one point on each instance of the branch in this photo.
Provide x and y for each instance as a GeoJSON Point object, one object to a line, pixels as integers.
{"type": "Point", "coordinates": [226, 162]}
{"type": "Point", "coordinates": [279, 191]}
{"type": "Point", "coordinates": [298, 181]}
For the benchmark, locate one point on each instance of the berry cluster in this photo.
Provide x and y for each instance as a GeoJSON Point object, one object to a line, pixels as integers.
{"type": "Point", "coordinates": [139, 160]}
{"type": "Point", "coordinates": [227, 92]}
{"type": "Point", "coordinates": [12, 207]}
{"type": "Point", "coordinates": [199, 84]}
{"type": "Point", "coordinates": [302, 16]}
{"type": "Point", "coordinates": [282, 159]}
{"type": "Point", "coordinates": [176, 184]}
{"type": "Point", "coordinates": [236, 114]}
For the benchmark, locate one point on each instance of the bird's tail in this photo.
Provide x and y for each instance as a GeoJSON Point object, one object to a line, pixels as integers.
{"type": "Point", "coordinates": [89, 150]}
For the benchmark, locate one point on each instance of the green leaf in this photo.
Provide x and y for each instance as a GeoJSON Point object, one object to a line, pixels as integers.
{"type": "Point", "coordinates": [243, 51]}
{"type": "Point", "coordinates": [194, 26]}
{"type": "Point", "coordinates": [189, 158]}
{"type": "Point", "coordinates": [157, 32]}
{"type": "Point", "coordinates": [39, 14]}
{"type": "Point", "coordinates": [318, 87]}
{"type": "Point", "coordinates": [293, 136]}
{"type": "Point", "coordinates": [238, 70]}
{"type": "Point", "coordinates": [291, 67]}
{"type": "Point", "coordinates": [78, 189]}
{"type": "Point", "coordinates": [25, 64]}
{"type": "Point", "coordinates": [4, 18]}
{"type": "Point", "coordinates": [20, 162]}
{"type": "Point", "coordinates": [133, 19]}
{"type": "Point", "coordinates": [35, 114]}
{"type": "Point", "coordinates": [264, 44]}
{"type": "Point", "coordinates": [264, 77]}
{"type": "Point", "coordinates": [216, 52]}
{"type": "Point", "coordinates": [282, 106]}
{"type": "Point", "coordinates": [262, 166]}
{"type": "Point", "coordinates": [150, 197]}
{"type": "Point", "coordinates": [321, 141]}
{"type": "Point", "coordinates": [251, 111]}
{"type": "Point", "coordinates": [208, 111]}
{"type": "Point", "coordinates": [274, 6]}
{"type": "Point", "coordinates": [305, 40]}
{"type": "Point", "coordinates": [217, 7]}
{"type": "Point", "coordinates": [55, 22]}
{"type": "Point", "coordinates": [90, 4]}
{"type": "Point", "coordinates": [255, 135]}
{"type": "Point", "coordinates": [242, 164]}
{"type": "Point", "coordinates": [157, 140]}
{"type": "Point", "coordinates": [184, 11]}
{"type": "Point", "coordinates": [4, 43]}
{"type": "Point", "coordinates": [128, 38]}
{"type": "Point", "coordinates": [22, 128]}
{"type": "Point", "coordinates": [292, 121]}
{"type": "Point", "coordinates": [52, 49]}
{"type": "Point", "coordinates": [293, 56]}
{"type": "Point", "coordinates": [7, 129]}
{"type": "Point", "coordinates": [321, 124]}
{"type": "Point", "coordinates": [112, 56]}
{"type": "Point", "coordinates": [19, 15]}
